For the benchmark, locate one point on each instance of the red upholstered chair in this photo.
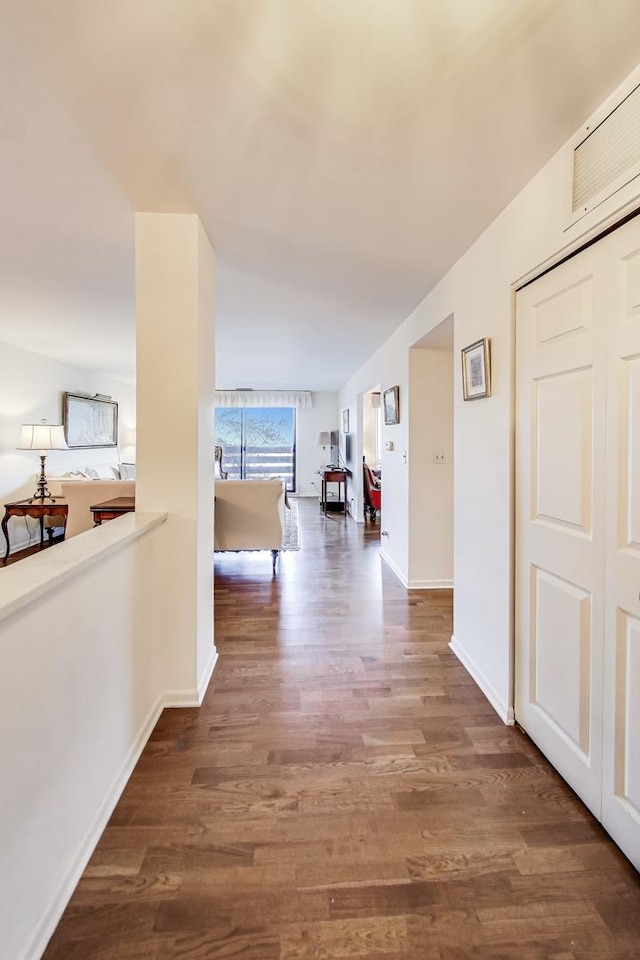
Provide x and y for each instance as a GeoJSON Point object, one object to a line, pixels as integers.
{"type": "Point", "coordinates": [372, 493]}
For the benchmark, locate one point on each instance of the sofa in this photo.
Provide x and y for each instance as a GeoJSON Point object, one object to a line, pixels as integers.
{"type": "Point", "coordinates": [82, 494]}
{"type": "Point", "coordinates": [91, 474]}
{"type": "Point", "coordinates": [250, 515]}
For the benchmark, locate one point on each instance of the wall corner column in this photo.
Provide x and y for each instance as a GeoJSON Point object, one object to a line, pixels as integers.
{"type": "Point", "coordinates": [175, 310]}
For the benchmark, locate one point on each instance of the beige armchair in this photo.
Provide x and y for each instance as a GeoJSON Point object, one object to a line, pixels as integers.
{"type": "Point", "coordinates": [82, 494]}
{"type": "Point", "coordinates": [249, 515]}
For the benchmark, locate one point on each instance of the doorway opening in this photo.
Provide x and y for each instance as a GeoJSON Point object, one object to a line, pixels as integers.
{"type": "Point", "coordinates": [372, 456]}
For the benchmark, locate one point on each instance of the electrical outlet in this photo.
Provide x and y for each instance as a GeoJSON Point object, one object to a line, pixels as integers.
{"type": "Point", "coordinates": [439, 456]}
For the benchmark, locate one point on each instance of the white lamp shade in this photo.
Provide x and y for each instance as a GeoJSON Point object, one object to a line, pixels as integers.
{"type": "Point", "coordinates": [324, 439]}
{"type": "Point", "coordinates": [42, 436]}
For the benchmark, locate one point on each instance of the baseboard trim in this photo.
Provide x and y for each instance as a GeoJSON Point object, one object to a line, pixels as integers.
{"type": "Point", "coordinates": [430, 585]}
{"type": "Point", "coordinates": [51, 918]}
{"type": "Point", "coordinates": [206, 675]}
{"type": "Point", "coordinates": [394, 569]}
{"type": "Point", "coordinates": [504, 712]}
{"type": "Point", "coordinates": [186, 697]}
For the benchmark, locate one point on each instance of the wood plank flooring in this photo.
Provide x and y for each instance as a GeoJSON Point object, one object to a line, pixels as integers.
{"type": "Point", "coordinates": [345, 792]}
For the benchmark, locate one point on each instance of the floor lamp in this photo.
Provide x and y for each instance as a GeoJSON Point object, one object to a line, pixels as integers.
{"type": "Point", "coordinates": [42, 437]}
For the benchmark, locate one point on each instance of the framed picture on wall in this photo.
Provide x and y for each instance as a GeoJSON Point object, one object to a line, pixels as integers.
{"type": "Point", "coordinates": [476, 370]}
{"type": "Point", "coordinates": [345, 422]}
{"type": "Point", "coordinates": [391, 405]}
{"type": "Point", "coordinates": [89, 421]}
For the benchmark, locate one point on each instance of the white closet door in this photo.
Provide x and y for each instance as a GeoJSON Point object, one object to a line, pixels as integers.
{"type": "Point", "coordinates": [560, 532]}
{"type": "Point", "coordinates": [621, 782]}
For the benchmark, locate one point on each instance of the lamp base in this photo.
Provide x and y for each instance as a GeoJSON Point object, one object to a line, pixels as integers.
{"type": "Point", "coordinates": [42, 490]}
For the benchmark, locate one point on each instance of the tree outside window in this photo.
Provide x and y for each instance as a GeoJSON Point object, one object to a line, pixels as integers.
{"type": "Point", "coordinates": [257, 442]}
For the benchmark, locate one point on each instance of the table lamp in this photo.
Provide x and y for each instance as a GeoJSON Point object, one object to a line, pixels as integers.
{"type": "Point", "coordinates": [324, 440]}
{"type": "Point", "coordinates": [42, 436]}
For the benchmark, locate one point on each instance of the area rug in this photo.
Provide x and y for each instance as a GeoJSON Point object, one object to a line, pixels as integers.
{"type": "Point", "coordinates": [291, 538]}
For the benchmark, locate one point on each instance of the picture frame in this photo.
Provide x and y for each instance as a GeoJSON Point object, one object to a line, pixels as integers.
{"type": "Point", "coordinates": [391, 405]}
{"type": "Point", "coordinates": [476, 370]}
{"type": "Point", "coordinates": [345, 422]}
{"type": "Point", "coordinates": [89, 421]}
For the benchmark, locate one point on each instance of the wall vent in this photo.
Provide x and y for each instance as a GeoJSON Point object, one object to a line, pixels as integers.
{"type": "Point", "coordinates": [608, 156]}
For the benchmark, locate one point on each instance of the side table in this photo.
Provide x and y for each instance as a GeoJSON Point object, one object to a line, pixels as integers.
{"type": "Point", "coordinates": [39, 509]}
{"type": "Point", "coordinates": [110, 509]}
{"type": "Point", "coordinates": [334, 476]}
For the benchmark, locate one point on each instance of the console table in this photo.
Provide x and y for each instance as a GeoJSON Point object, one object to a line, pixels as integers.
{"type": "Point", "coordinates": [39, 509]}
{"type": "Point", "coordinates": [110, 509]}
{"type": "Point", "coordinates": [338, 476]}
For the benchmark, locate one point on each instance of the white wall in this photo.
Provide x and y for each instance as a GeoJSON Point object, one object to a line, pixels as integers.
{"type": "Point", "coordinates": [430, 484]}
{"type": "Point", "coordinates": [478, 292]}
{"type": "Point", "coordinates": [175, 277]}
{"type": "Point", "coordinates": [31, 388]}
{"type": "Point", "coordinates": [79, 694]}
{"type": "Point", "coordinates": [323, 415]}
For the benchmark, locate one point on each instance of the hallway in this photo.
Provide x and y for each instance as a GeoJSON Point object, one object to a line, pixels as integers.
{"type": "Point", "coordinates": [345, 791]}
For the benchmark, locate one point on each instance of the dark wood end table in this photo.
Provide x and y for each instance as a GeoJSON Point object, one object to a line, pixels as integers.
{"type": "Point", "coordinates": [334, 476]}
{"type": "Point", "coordinates": [110, 509]}
{"type": "Point", "coordinates": [39, 509]}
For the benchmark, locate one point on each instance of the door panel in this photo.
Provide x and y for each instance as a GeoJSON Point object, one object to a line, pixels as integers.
{"type": "Point", "coordinates": [560, 451]}
{"type": "Point", "coordinates": [561, 608]}
{"type": "Point", "coordinates": [578, 526]}
{"type": "Point", "coordinates": [621, 784]}
{"type": "Point", "coordinates": [630, 459]}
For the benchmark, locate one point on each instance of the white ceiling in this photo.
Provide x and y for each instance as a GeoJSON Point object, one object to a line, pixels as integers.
{"type": "Point", "coordinates": [342, 154]}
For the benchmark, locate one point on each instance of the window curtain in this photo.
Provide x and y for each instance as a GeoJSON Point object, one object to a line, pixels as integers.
{"type": "Point", "coordinates": [301, 399]}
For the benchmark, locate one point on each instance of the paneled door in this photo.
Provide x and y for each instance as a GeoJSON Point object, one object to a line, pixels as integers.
{"type": "Point", "coordinates": [621, 781]}
{"type": "Point", "coordinates": [578, 526]}
{"type": "Point", "coordinates": [560, 530]}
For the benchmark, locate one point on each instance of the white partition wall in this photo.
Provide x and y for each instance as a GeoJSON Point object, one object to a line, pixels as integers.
{"type": "Point", "coordinates": [175, 383]}
{"type": "Point", "coordinates": [431, 467]}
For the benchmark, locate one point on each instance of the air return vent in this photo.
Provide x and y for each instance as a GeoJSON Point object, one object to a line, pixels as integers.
{"type": "Point", "coordinates": [608, 157]}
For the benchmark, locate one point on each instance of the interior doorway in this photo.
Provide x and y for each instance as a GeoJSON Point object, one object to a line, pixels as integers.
{"type": "Point", "coordinates": [372, 456]}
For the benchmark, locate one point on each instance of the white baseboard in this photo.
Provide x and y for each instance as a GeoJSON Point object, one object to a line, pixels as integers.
{"type": "Point", "coordinates": [504, 711]}
{"type": "Point", "coordinates": [203, 683]}
{"type": "Point", "coordinates": [415, 584]}
{"type": "Point", "coordinates": [185, 697]}
{"type": "Point", "coordinates": [430, 584]}
{"type": "Point", "coordinates": [59, 901]}
{"type": "Point", "coordinates": [389, 562]}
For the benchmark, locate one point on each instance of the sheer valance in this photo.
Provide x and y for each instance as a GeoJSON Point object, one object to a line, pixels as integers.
{"type": "Point", "coordinates": [264, 398]}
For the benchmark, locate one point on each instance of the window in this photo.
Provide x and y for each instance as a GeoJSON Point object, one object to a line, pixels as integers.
{"type": "Point", "coordinates": [258, 443]}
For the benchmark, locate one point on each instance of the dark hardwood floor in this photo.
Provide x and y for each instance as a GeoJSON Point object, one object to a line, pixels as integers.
{"type": "Point", "coordinates": [345, 792]}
